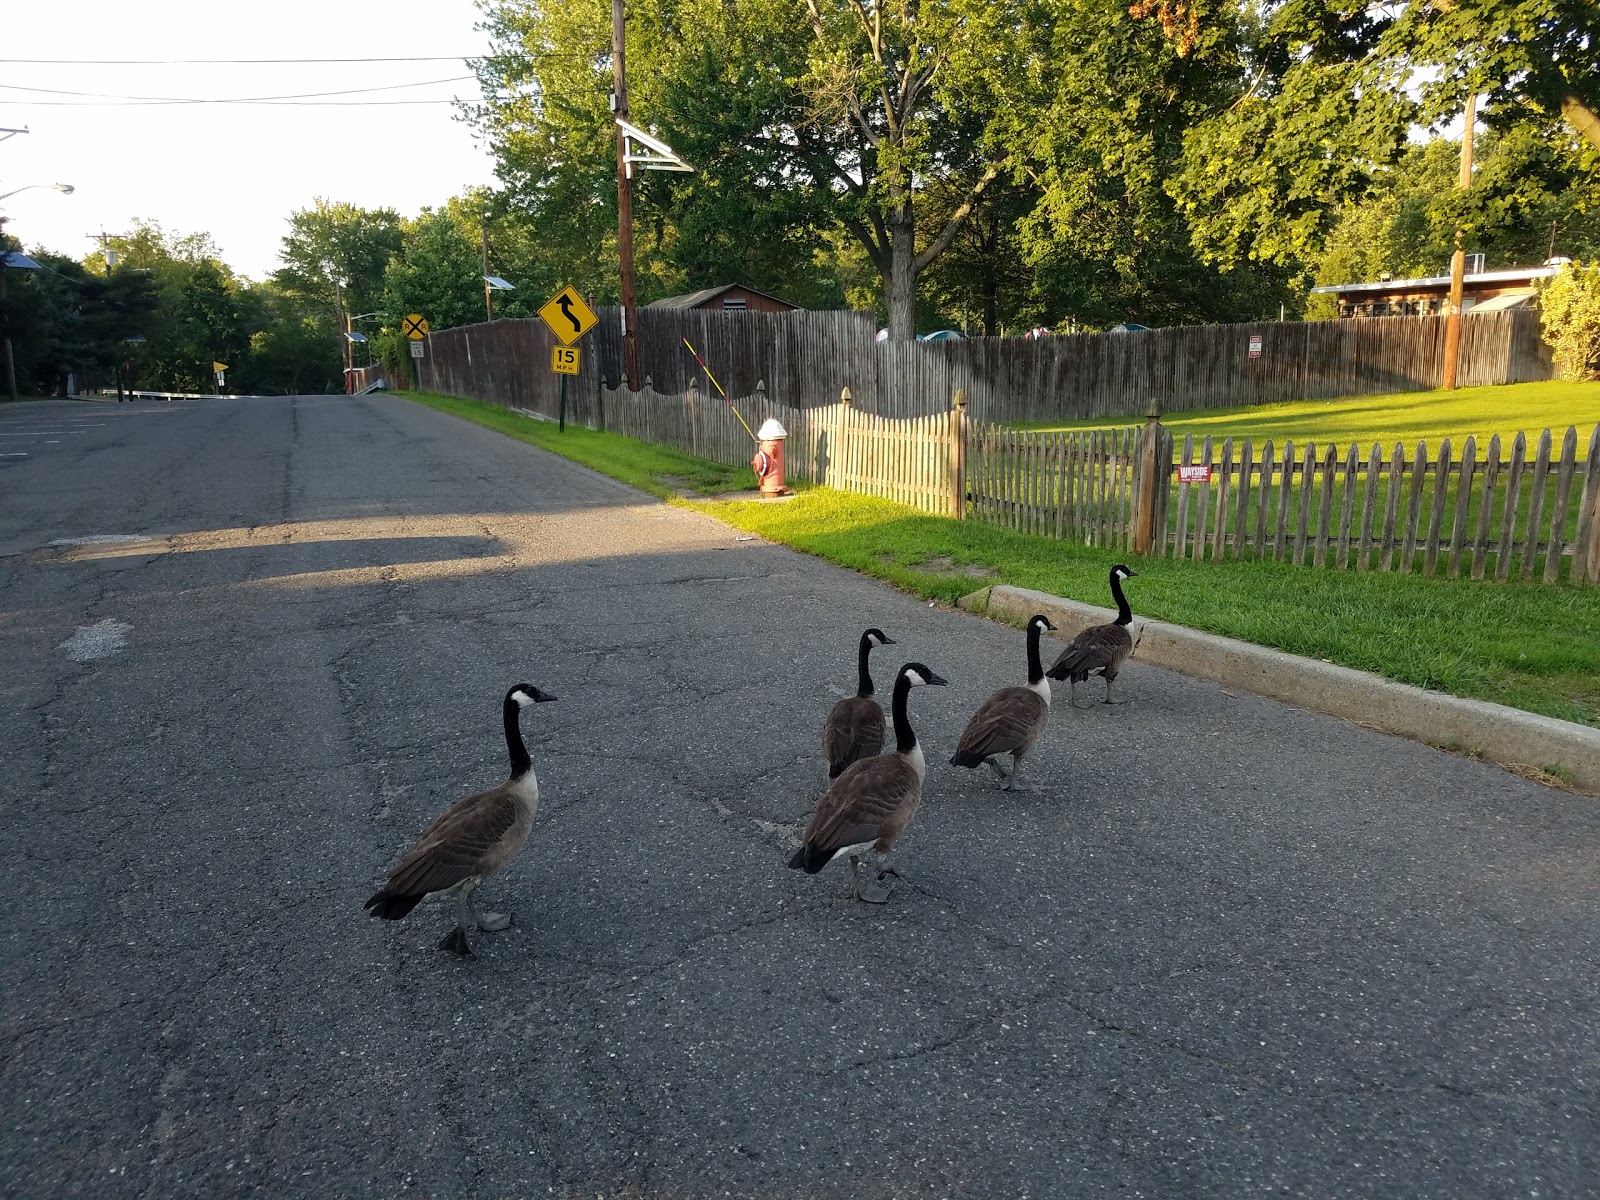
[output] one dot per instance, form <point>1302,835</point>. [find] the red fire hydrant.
<point>768,462</point>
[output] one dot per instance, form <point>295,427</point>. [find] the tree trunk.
<point>900,288</point>
<point>1582,118</point>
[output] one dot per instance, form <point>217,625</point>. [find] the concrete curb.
<point>1507,736</point>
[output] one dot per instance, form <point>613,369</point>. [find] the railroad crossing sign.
<point>568,316</point>
<point>414,326</point>
<point>564,360</point>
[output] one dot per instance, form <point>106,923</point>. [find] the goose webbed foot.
<point>868,892</point>
<point>1014,783</point>
<point>494,922</point>
<point>456,942</point>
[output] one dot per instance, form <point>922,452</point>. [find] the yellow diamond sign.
<point>568,316</point>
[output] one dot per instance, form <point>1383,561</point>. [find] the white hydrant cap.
<point>772,431</point>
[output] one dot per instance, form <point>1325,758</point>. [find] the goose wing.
<point>861,801</point>
<point>1006,720</point>
<point>853,731</point>
<point>453,848</point>
<point>1095,649</point>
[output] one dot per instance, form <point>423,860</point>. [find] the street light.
<point>66,189</point>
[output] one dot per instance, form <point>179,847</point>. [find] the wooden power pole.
<point>1458,261</point>
<point>488,288</point>
<point>619,105</point>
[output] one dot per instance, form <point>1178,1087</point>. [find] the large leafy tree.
<point>1327,93</point>
<point>800,115</point>
<point>336,254</point>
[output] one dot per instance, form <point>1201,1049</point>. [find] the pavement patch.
<point>99,640</point>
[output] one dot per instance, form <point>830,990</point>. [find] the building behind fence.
<point>805,359</point>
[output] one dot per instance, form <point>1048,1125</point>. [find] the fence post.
<point>1144,513</point>
<point>958,456</point>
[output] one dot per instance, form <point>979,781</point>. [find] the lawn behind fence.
<point>1404,416</point>
<point>1531,646</point>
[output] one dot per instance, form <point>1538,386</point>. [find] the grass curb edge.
<point>1525,743</point>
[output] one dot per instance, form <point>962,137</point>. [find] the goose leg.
<point>885,867</point>
<point>867,893</point>
<point>456,941</point>
<point>488,922</point>
<point>1072,698</point>
<point>1108,699</point>
<point>1016,775</point>
<point>998,770</point>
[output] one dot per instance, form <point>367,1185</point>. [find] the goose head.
<point>525,694</point>
<point>1121,572</point>
<point>877,637</point>
<point>1039,622</point>
<point>918,675</point>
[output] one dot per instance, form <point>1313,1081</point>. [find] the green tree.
<point>335,254</point>
<point>1570,308</point>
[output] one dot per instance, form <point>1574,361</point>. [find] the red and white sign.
<point>1199,474</point>
<point>1255,345</point>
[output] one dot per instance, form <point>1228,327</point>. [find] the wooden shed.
<point>730,297</point>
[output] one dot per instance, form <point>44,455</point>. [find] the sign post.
<point>219,369</point>
<point>569,318</point>
<point>415,327</point>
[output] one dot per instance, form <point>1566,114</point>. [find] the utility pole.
<point>110,256</point>
<point>1458,261</point>
<point>488,288</point>
<point>5,316</point>
<point>343,315</point>
<point>619,106</point>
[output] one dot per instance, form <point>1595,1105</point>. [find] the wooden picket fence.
<point>914,461</point>
<point>1521,515</point>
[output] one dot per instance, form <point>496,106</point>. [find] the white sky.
<point>234,171</point>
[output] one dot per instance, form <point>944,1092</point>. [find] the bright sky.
<point>234,171</point>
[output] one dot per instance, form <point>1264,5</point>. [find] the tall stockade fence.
<point>804,359</point>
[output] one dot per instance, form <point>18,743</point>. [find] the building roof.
<point>696,299</point>
<point>1507,275</point>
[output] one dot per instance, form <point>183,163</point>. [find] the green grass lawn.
<point>1405,416</point>
<point>1529,646</point>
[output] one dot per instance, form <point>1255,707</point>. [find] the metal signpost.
<point>569,319</point>
<point>415,327</point>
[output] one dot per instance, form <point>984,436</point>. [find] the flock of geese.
<point>871,800</point>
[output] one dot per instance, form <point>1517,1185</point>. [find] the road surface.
<point>1226,949</point>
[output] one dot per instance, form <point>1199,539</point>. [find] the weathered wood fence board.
<point>803,359</point>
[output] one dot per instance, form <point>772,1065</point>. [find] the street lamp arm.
<point>66,189</point>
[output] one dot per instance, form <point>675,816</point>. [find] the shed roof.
<point>696,299</point>
<point>1507,275</point>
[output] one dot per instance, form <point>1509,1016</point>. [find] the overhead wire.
<point>390,87</point>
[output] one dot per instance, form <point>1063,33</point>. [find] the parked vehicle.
<point>942,335</point>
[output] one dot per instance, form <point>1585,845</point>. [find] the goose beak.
<point>888,641</point>
<point>544,698</point>
<point>937,680</point>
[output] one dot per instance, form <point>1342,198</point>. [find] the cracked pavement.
<point>1226,948</point>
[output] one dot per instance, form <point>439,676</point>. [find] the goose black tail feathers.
<point>391,908</point>
<point>810,859</point>
<point>966,758</point>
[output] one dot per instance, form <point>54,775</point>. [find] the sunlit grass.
<point>1526,645</point>
<point>1404,416</point>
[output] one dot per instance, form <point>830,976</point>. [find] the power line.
<point>394,87</point>
<point>168,62</point>
<point>255,103</point>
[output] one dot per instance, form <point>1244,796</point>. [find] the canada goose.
<point>1100,648</point>
<point>471,840</point>
<point>1011,720</point>
<point>854,728</point>
<point>873,801</point>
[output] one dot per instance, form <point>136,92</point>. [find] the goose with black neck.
<point>872,801</point>
<point>1011,720</point>
<point>854,728</point>
<point>471,840</point>
<point>1100,649</point>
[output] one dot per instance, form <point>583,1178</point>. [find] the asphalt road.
<point>1227,948</point>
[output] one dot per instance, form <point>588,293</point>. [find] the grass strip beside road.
<point>1528,646</point>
